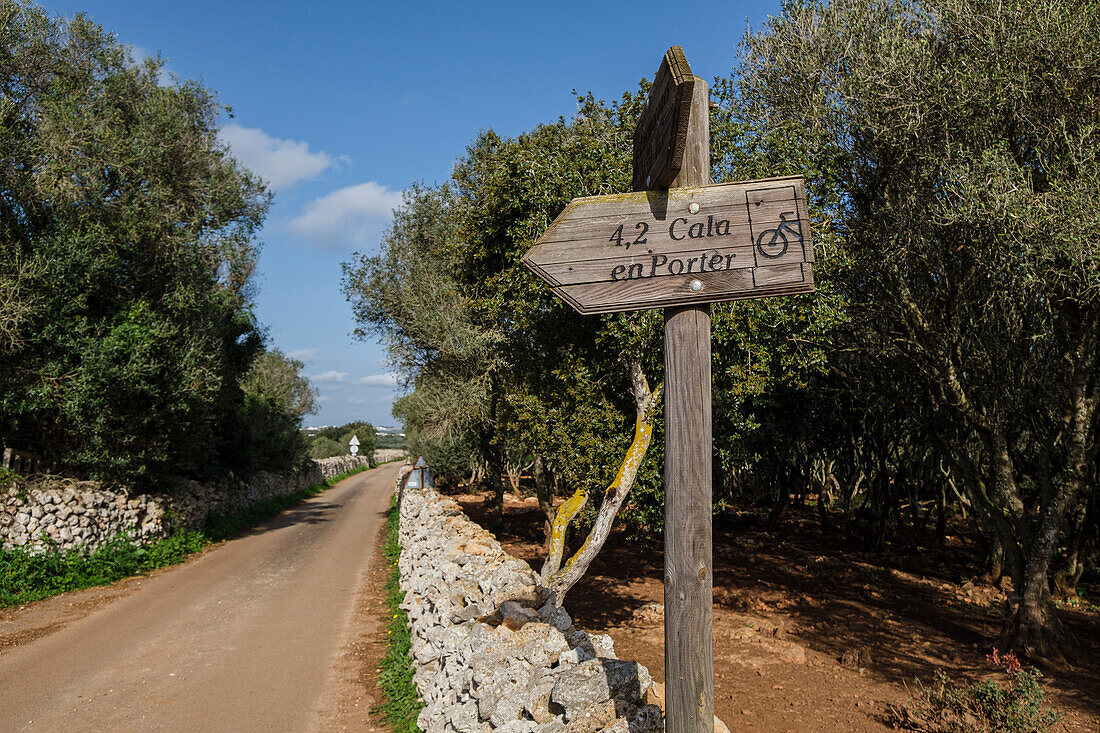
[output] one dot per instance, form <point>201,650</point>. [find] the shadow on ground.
<point>904,616</point>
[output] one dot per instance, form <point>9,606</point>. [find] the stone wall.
<point>384,455</point>
<point>490,653</point>
<point>65,513</point>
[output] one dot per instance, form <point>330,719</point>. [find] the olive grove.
<point>948,368</point>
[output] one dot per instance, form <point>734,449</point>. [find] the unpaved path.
<point>253,635</point>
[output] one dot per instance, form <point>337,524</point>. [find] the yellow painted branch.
<point>628,469</point>
<point>560,579</point>
<point>565,514</point>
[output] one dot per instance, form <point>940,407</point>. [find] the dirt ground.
<point>810,635</point>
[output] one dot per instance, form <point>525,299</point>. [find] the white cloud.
<point>354,215</point>
<point>329,377</point>
<point>277,161</point>
<point>389,379</point>
<point>306,355</point>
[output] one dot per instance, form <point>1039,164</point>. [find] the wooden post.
<point>750,239</point>
<point>689,644</point>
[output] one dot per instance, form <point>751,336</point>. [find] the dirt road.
<point>247,637</point>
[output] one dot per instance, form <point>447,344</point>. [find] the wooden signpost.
<point>662,130</point>
<point>682,246</point>
<point>679,243</point>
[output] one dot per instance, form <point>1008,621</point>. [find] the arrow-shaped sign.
<point>654,249</point>
<point>354,440</point>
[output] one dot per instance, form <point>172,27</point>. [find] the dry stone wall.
<point>64,513</point>
<point>491,654</point>
<point>384,455</point>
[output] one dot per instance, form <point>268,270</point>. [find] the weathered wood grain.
<point>662,130</point>
<point>579,234</point>
<point>739,198</point>
<point>632,243</point>
<point>592,298</point>
<point>643,266</point>
<point>689,652</point>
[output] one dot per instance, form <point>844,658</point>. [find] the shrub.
<point>986,707</point>
<point>322,447</point>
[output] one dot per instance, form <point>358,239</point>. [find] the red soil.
<point>810,635</point>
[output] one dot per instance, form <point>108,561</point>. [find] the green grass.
<point>25,577</point>
<point>400,701</point>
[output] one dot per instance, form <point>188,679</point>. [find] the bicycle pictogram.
<point>778,236</point>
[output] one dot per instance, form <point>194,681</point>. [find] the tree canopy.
<point>960,140</point>
<point>128,231</point>
<point>949,359</point>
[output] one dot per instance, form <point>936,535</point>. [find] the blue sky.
<point>341,105</point>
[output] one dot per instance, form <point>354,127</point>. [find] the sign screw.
<point>694,208</point>
<point>695,284</point>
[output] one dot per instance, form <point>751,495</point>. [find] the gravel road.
<point>246,637</point>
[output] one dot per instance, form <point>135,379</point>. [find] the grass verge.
<point>25,577</point>
<point>400,702</point>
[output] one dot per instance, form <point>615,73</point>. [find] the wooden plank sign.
<point>683,246</point>
<point>662,130</point>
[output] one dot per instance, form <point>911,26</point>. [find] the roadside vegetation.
<point>946,372</point>
<point>401,702</point>
<point>129,349</point>
<point>333,441</point>
<point>387,440</point>
<point>946,706</point>
<point>26,577</point>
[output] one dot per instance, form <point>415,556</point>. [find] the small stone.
<point>651,614</point>
<point>629,680</point>
<point>556,616</point>
<point>650,719</point>
<point>581,687</point>
<point>603,645</point>
<point>537,697</point>
<point>656,695</point>
<point>517,726</point>
<point>515,616</point>
<point>619,726</point>
<point>591,719</point>
<point>557,725</point>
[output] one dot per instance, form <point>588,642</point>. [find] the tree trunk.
<point>1066,578</point>
<point>941,517</point>
<point>496,480</point>
<point>544,491</point>
<point>827,496</point>
<point>994,563</point>
<point>1034,630</point>
<point>560,580</point>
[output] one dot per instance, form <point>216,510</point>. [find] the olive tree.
<point>127,250</point>
<point>963,139</point>
<point>276,398</point>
